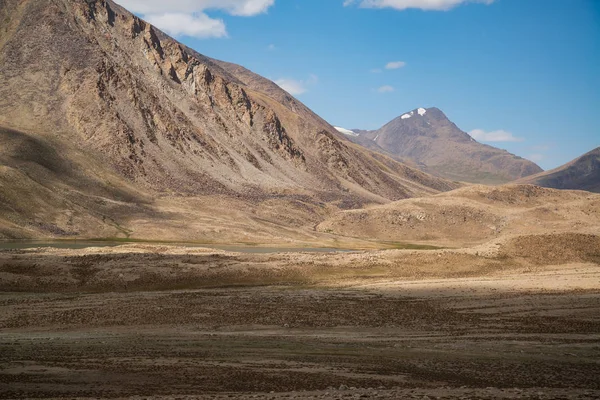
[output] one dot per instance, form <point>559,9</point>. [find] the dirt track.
<point>491,333</point>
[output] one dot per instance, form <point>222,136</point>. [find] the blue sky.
<point>523,75</point>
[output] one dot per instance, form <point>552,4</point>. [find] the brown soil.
<point>174,322</point>
<point>473,214</point>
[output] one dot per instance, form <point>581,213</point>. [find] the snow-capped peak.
<point>421,111</point>
<point>345,131</point>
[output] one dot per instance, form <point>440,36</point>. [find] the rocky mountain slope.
<point>105,118</point>
<point>583,173</point>
<point>438,146</point>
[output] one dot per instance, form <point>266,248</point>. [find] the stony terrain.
<point>431,289</point>
<point>429,139</point>
<point>471,215</point>
<point>583,173</point>
<point>105,122</point>
<point>148,321</point>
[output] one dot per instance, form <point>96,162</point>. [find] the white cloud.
<point>245,8</point>
<point>390,65</point>
<point>541,147</point>
<point>271,47</point>
<point>195,25</point>
<point>345,131</point>
<point>386,89</point>
<point>436,5</point>
<point>188,17</point>
<point>312,79</point>
<point>395,65</point>
<point>494,136</point>
<point>536,157</point>
<point>297,87</point>
<point>291,86</point>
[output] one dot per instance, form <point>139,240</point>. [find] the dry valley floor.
<point>141,321</point>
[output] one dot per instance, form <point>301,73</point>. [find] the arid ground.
<point>112,130</point>
<point>153,321</point>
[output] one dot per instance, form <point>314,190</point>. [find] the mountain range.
<point>110,127</point>
<point>429,140</point>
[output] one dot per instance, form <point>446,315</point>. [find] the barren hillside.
<point>428,138</point>
<point>116,106</point>
<point>471,215</point>
<point>583,173</point>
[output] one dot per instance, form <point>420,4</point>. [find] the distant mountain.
<point>438,146</point>
<point>108,126</point>
<point>583,173</point>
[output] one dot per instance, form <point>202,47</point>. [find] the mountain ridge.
<point>582,173</point>
<point>94,82</point>
<point>428,138</point>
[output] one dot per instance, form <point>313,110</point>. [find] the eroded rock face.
<point>167,117</point>
<point>279,141</point>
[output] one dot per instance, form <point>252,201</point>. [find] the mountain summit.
<point>122,115</point>
<point>427,137</point>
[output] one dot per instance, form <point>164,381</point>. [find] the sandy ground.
<point>500,329</point>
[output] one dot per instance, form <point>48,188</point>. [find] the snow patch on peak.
<point>421,111</point>
<point>345,131</point>
<point>406,116</point>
